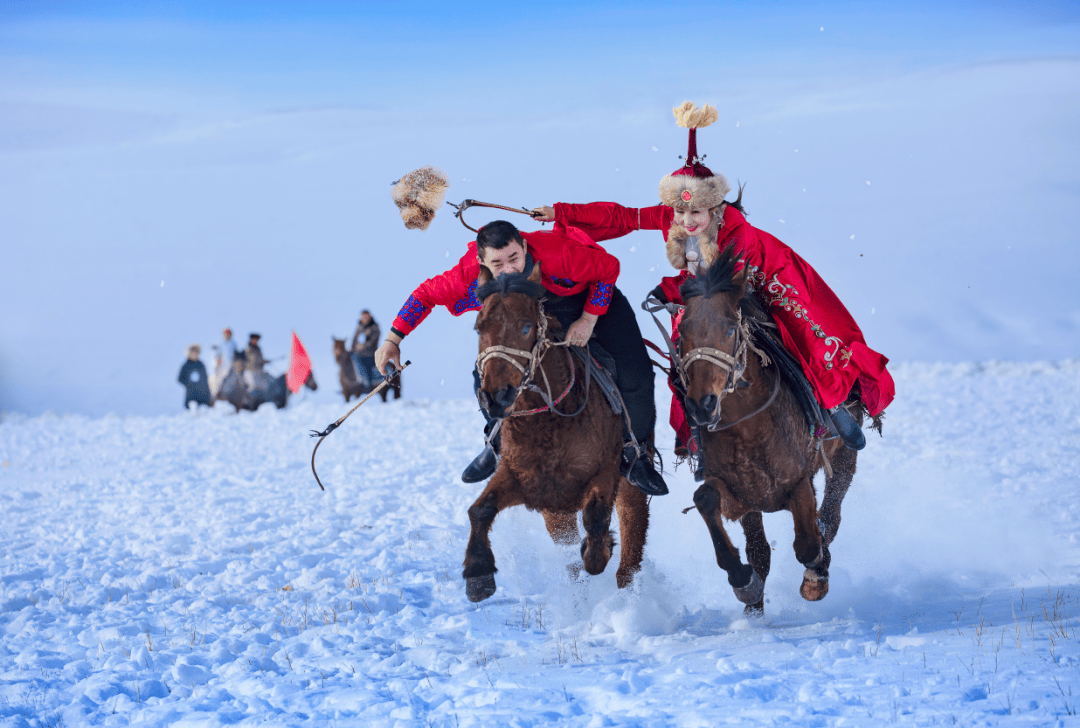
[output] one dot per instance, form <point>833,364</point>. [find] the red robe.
<point>816,327</point>
<point>569,261</point>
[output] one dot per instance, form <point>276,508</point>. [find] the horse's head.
<point>712,340</point>
<point>339,347</point>
<point>508,325</point>
<point>310,382</point>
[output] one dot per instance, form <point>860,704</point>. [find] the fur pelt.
<point>704,192</point>
<point>419,194</point>
<point>677,235</point>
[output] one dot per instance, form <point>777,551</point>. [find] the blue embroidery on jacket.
<point>413,311</point>
<point>564,282</point>
<point>472,303</point>
<point>601,297</point>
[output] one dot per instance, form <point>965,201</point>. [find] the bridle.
<point>528,371</point>
<point>734,365</point>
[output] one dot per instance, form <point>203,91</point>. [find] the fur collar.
<point>677,235</point>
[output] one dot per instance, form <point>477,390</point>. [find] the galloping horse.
<point>351,384</point>
<point>560,452</point>
<point>758,453</point>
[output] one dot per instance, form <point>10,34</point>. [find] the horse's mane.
<point>719,278</point>
<point>510,283</point>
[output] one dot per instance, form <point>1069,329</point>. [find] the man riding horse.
<point>697,223</point>
<point>579,276</point>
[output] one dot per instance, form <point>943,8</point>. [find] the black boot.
<point>483,465</point>
<point>640,472</point>
<point>847,428</point>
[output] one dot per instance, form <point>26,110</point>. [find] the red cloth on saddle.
<point>569,261</point>
<point>815,326</point>
<point>299,366</point>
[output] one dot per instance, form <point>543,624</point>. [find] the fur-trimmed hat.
<point>419,194</point>
<point>693,186</point>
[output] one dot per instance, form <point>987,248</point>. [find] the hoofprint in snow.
<point>187,570</point>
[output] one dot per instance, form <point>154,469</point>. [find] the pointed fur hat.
<point>419,194</point>
<point>693,186</point>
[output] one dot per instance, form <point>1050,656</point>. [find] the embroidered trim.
<point>413,311</point>
<point>782,296</point>
<point>601,296</point>
<point>564,282</point>
<point>470,302</point>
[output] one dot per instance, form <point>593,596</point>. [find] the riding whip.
<point>465,205</point>
<point>392,373</point>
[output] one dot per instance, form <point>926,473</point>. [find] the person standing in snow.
<point>364,343</point>
<point>697,223</point>
<point>193,377</point>
<point>580,278</point>
<point>224,353</point>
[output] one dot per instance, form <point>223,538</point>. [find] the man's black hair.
<point>496,236</point>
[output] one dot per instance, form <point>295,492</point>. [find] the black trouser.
<point>617,331</point>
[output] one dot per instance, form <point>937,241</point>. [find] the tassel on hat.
<point>419,194</point>
<point>693,186</point>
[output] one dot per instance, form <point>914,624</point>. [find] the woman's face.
<point>693,220</point>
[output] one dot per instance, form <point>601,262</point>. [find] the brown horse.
<point>351,383</point>
<point>561,445</point>
<point>758,452</point>
<point>235,391</point>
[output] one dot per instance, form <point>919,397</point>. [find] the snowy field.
<point>186,570</point>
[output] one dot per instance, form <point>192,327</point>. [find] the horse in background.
<point>235,391</point>
<point>758,452</point>
<point>352,385</point>
<point>560,453</point>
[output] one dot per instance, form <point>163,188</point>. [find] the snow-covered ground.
<point>186,570</point>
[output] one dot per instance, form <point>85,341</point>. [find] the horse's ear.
<point>535,275</point>
<point>483,276</point>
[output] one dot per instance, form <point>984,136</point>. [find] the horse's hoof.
<point>479,588</point>
<point>753,592</point>
<point>815,584</point>
<point>754,611</point>
<point>595,557</point>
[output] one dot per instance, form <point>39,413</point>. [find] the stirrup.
<point>640,472</point>
<point>847,428</point>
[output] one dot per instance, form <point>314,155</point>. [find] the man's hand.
<point>389,351</point>
<point>544,213</point>
<point>581,330</point>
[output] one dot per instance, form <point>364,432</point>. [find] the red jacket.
<point>569,261</point>
<point>816,327</point>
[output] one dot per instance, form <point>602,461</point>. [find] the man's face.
<point>510,259</point>
<point>254,340</point>
<point>365,318</point>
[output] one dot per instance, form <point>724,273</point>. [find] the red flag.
<point>299,366</point>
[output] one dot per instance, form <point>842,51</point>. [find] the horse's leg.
<point>836,487</point>
<point>809,545</point>
<point>596,518</point>
<point>562,527</point>
<point>744,581</point>
<point>758,553</point>
<point>502,491</point>
<point>633,508</point>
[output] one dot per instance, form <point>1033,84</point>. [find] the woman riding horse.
<point>697,223</point>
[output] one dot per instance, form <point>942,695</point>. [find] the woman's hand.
<point>581,330</point>
<point>544,213</point>
<point>389,351</point>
